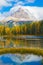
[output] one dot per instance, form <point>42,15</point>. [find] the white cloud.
<point>16,0</point>
<point>4,3</point>
<point>19,3</point>
<point>1,16</point>
<point>30,1</point>
<point>10,0</point>
<point>13,0</point>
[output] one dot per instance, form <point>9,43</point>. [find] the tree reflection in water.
<point>21,43</point>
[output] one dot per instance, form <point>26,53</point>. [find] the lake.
<point>23,41</point>
<point>21,59</point>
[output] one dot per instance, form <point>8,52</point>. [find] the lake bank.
<point>36,51</point>
<point>22,37</point>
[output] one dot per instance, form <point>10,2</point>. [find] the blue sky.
<point>6,5</point>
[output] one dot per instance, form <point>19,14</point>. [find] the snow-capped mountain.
<point>27,12</point>
<point>23,13</point>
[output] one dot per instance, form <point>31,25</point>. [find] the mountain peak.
<point>22,13</point>
<point>26,13</point>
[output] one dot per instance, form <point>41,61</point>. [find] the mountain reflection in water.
<point>11,42</point>
<point>19,59</point>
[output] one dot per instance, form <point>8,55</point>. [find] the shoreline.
<point>36,51</point>
<point>22,37</point>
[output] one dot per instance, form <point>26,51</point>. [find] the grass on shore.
<point>18,35</point>
<point>36,51</point>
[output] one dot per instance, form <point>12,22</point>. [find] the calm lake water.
<point>26,41</point>
<point>18,59</point>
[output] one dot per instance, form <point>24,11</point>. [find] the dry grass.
<point>36,51</point>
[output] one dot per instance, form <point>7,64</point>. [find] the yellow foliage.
<point>17,29</point>
<point>7,29</point>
